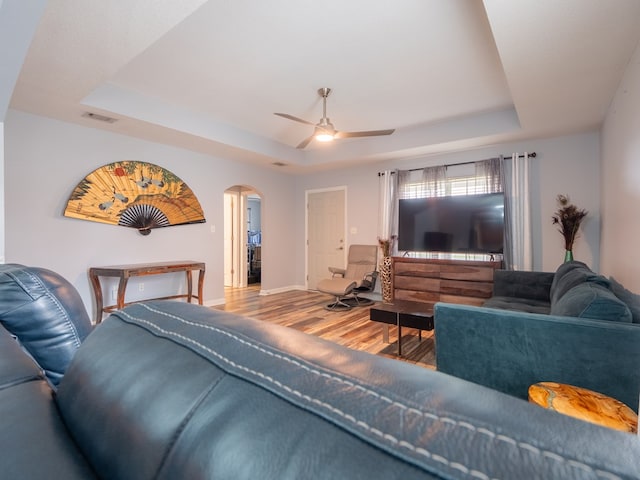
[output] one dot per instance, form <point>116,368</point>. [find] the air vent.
<point>100,118</point>
<point>279,164</point>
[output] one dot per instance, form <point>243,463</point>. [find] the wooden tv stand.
<point>452,278</point>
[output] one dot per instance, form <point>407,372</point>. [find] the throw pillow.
<point>571,274</point>
<point>592,300</point>
<point>629,298</point>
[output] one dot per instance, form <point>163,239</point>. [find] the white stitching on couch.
<point>47,293</point>
<point>400,443</point>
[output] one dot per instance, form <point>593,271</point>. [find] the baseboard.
<point>282,289</point>
<point>214,302</point>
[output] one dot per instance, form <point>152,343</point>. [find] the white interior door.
<point>325,233</point>
<point>242,259</point>
<point>236,225</point>
<point>235,240</point>
<point>229,208</point>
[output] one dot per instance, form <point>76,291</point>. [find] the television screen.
<point>458,224</point>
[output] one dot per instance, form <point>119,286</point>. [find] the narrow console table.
<point>124,272</point>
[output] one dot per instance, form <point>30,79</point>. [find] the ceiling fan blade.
<point>369,133</point>
<point>305,142</point>
<point>295,119</point>
<point>324,128</point>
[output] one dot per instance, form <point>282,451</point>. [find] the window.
<point>468,179</point>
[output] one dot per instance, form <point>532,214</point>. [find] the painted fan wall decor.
<point>134,194</point>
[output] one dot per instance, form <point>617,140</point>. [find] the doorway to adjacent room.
<point>242,236</point>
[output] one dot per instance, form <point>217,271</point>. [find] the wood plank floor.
<point>303,310</point>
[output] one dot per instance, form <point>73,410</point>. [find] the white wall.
<point>567,165</point>
<point>620,254</point>
<point>45,159</point>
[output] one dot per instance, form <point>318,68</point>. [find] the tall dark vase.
<point>568,256</point>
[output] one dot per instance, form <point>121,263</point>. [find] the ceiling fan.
<point>324,131</point>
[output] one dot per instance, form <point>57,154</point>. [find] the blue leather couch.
<point>570,326</point>
<point>170,390</point>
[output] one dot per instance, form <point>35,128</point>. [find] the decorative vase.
<point>568,256</point>
<point>385,279</point>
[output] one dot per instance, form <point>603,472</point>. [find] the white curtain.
<point>434,180</point>
<point>423,183</point>
<point>490,173</point>
<point>518,252</point>
<point>388,201</point>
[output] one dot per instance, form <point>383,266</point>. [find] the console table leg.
<point>122,288</point>
<point>200,286</point>
<point>189,286</point>
<point>97,291</point>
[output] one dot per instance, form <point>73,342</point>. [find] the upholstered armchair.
<point>358,277</point>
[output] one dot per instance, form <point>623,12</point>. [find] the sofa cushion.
<point>518,304</point>
<point>35,443</point>
<point>629,298</point>
<point>521,284</point>
<point>592,300</point>
<point>571,274</point>
<point>15,365</point>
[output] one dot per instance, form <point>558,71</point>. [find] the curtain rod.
<point>532,155</point>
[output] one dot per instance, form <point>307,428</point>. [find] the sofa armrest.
<point>508,351</point>
<point>522,284</point>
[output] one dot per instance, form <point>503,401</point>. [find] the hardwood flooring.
<point>303,310</point>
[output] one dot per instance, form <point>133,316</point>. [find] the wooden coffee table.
<point>402,313</point>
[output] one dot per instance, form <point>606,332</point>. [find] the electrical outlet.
<point>141,287</point>
<point>114,293</point>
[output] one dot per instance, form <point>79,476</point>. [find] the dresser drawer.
<point>417,283</point>
<point>466,289</point>
<point>467,272</point>
<point>415,269</point>
<point>416,296</point>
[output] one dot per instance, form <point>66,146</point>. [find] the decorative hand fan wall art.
<point>134,194</point>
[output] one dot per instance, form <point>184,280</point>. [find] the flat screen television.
<point>457,224</point>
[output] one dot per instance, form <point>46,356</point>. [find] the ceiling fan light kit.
<point>324,131</point>
<point>323,135</point>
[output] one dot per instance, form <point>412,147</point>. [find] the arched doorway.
<point>242,236</point>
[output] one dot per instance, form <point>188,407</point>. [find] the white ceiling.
<point>446,74</point>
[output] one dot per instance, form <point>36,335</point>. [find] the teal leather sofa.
<point>167,390</point>
<point>570,326</point>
